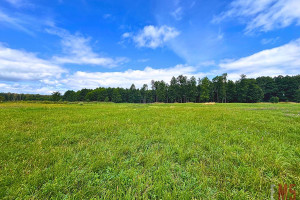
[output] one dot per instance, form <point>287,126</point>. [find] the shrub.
<point>274,100</point>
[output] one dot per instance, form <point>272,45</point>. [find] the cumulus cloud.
<point>82,79</point>
<point>17,65</point>
<point>263,15</point>
<point>276,61</point>
<point>20,65</point>
<point>152,36</point>
<point>77,50</point>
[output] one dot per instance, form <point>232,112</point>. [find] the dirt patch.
<point>210,103</point>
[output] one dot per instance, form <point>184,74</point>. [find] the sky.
<point>60,45</point>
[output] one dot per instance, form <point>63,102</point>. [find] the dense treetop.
<point>183,89</point>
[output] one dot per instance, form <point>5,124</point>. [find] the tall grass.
<point>147,151</point>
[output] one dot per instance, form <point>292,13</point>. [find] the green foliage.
<point>204,89</point>
<point>69,95</point>
<point>106,99</point>
<point>56,96</point>
<point>287,87</point>
<point>160,91</point>
<point>173,90</point>
<point>219,88</point>
<point>242,89</point>
<point>268,86</point>
<point>147,151</point>
<point>116,97</point>
<point>231,92</point>
<point>254,92</point>
<point>298,96</point>
<point>134,95</point>
<point>192,91</point>
<point>81,94</point>
<point>274,99</point>
<point>144,93</point>
<point>2,98</point>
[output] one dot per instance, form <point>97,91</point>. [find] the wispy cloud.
<point>25,23</point>
<point>263,15</point>
<point>177,13</point>
<point>77,50</point>
<point>143,60</point>
<point>107,16</point>
<point>269,40</point>
<point>18,65</point>
<point>152,36</point>
<point>280,60</point>
<point>19,3</point>
<point>208,63</point>
<point>15,22</point>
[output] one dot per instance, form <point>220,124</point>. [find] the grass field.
<point>140,151</point>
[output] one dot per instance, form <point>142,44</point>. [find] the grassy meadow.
<point>148,151</point>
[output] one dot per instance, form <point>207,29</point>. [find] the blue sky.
<point>57,45</point>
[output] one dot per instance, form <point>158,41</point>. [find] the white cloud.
<point>82,79</point>
<point>208,63</point>
<point>28,88</point>
<point>263,15</point>
<point>24,22</point>
<point>106,16</point>
<point>276,61</point>
<point>77,50</point>
<point>15,22</point>
<point>152,36</point>
<point>19,3</point>
<point>269,40</point>
<point>220,35</point>
<point>127,35</point>
<point>45,77</point>
<point>177,13</point>
<point>17,65</point>
<point>143,60</point>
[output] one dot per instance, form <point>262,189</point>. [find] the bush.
<point>2,98</point>
<point>274,100</point>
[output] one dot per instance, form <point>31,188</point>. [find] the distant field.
<point>140,151</point>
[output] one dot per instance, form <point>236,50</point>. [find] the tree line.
<point>182,89</point>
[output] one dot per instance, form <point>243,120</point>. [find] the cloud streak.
<point>263,15</point>
<point>19,3</point>
<point>15,22</point>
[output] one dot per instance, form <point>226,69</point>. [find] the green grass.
<point>148,151</point>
